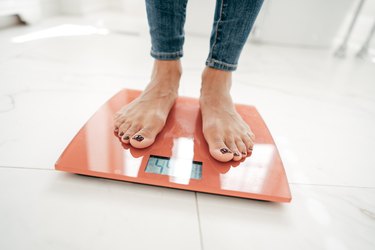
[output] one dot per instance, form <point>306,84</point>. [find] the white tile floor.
<point>320,110</point>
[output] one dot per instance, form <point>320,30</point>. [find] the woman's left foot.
<point>227,134</point>
<point>139,122</point>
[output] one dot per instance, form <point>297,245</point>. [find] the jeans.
<point>232,24</point>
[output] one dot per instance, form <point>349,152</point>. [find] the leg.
<point>139,122</point>
<point>228,136</point>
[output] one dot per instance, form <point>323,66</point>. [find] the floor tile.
<point>40,123</point>
<point>317,218</point>
<point>44,209</point>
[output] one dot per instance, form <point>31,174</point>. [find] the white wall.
<point>319,23</point>
<point>313,23</point>
<point>29,10</point>
<point>79,7</point>
<point>363,25</point>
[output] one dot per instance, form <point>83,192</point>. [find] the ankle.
<point>215,82</point>
<point>165,77</point>
<point>167,69</point>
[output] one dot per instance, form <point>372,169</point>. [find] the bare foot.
<point>139,122</point>
<point>228,136</point>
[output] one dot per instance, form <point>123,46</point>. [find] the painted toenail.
<point>236,154</point>
<point>250,151</point>
<point>138,138</point>
<point>225,151</point>
<point>122,133</point>
<point>244,153</point>
<point>126,137</point>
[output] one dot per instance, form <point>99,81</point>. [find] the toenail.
<point>122,133</point>
<point>225,151</point>
<point>250,151</point>
<point>236,154</point>
<point>138,138</point>
<point>244,153</point>
<point>126,137</point>
<point>116,129</point>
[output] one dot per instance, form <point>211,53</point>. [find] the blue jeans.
<point>232,24</point>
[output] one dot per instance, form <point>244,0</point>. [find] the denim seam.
<point>216,30</point>
<point>222,63</point>
<point>167,53</point>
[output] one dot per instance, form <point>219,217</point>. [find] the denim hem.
<point>167,55</point>
<point>220,65</point>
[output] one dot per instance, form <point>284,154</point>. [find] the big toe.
<point>219,150</point>
<point>222,154</point>
<point>143,138</point>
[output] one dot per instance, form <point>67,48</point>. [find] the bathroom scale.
<point>179,157</point>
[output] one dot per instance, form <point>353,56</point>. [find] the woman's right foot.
<point>139,122</point>
<point>227,134</point>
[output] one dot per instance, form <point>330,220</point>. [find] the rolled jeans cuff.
<point>220,65</point>
<point>167,55</point>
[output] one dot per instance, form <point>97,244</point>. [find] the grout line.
<point>29,168</point>
<point>199,221</point>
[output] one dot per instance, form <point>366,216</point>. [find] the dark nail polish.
<point>138,138</point>
<point>225,151</point>
<point>251,149</point>
<point>122,133</point>
<point>126,137</point>
<point>244,153</point>
<point>236,154</point>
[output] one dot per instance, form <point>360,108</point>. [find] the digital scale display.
<point>162,165</point>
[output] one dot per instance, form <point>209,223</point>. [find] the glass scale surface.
<point>179,157</point>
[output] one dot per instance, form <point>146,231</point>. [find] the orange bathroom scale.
<point>179,157</point>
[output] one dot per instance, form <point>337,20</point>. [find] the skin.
<point>228,136</point>
<point>223,128</point>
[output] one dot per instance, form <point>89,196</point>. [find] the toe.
<point>143,138</point>
<point>241,147</point>
<point>251,135</point>
<point>249,143</point>
<point>219,150</point>
<point>122,129</point>
<point>117,124</point>
<point>128,134</point>
<point>116,115</point>
<point>233,147</point>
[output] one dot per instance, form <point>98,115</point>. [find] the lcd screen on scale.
<point>166,166</point>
